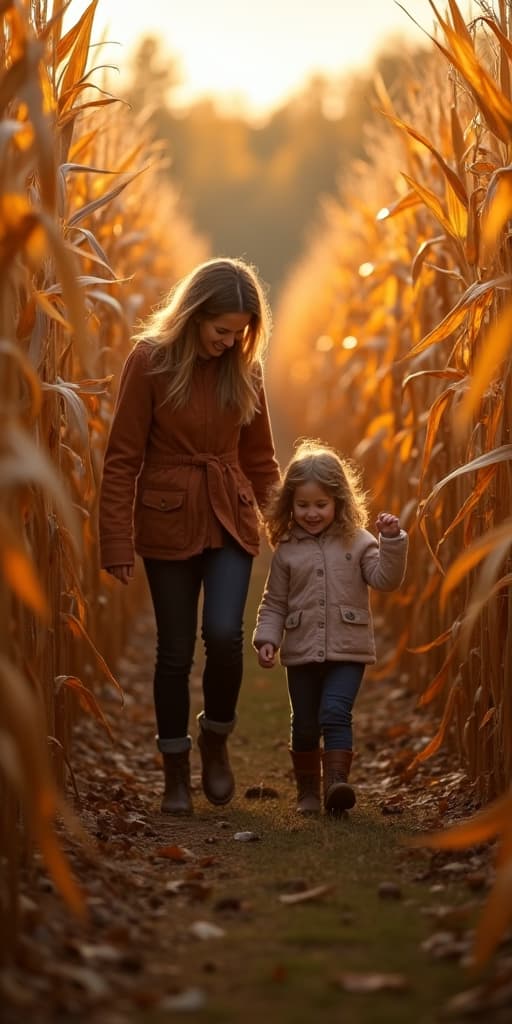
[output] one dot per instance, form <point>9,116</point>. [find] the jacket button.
<point>348,556</point>
<point>321,602</point>
<point>163,503</point>
<point>349,615</point>
<point>319,572</point>
<point>321,654</point>
<point>321,624</point>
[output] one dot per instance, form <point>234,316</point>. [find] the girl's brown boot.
<point>338,795</point>
<point>307,768</point>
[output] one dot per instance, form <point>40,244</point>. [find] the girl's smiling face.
<point>313,508</point>
<point>221,333</point>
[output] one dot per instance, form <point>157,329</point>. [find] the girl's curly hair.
<point>337,476</point>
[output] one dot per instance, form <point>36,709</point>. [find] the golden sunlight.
<point>256,60</point>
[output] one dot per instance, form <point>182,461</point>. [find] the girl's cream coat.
<point>315,606</point>
<point>173,479</point>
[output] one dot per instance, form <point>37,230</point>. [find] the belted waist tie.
<point>222,478</point>
<point>194,459</point>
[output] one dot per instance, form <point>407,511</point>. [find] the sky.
<point>255,55</point>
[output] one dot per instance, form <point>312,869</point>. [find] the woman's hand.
<point>387,524</point>
<point>123,573</point>
<point>267,656</point>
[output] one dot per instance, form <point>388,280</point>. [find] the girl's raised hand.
<point>387,524</point>
<point>267,656</point>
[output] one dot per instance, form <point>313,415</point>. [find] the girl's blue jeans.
<point>175,586</point>
<point>322,696</point>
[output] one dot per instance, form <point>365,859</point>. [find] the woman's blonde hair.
<point>218,286</point>
<point>317,462</point>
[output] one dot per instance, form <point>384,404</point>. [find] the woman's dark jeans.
<point>322,695</point>
<point>175,587</point>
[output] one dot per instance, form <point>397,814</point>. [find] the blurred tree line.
<point>256,189</point>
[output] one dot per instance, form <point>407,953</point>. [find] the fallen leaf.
<point>372,982</point>
<point>228,903</point>
<point>246,837</point>
<point>188,887</point>
<point>206,930</point>
<point>445,946</point>
<point>177,853</point>
<point>279,973</point>
<point>190,999</point>
<point>306,895</point>
<point>389,891</point>
<point>91,981</point>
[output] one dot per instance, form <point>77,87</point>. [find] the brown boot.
<point>338,795</point>
<point>176,799</point>
<point>306,765</point>
<point>217,777</point>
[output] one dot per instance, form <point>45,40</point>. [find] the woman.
<point>189,461</point>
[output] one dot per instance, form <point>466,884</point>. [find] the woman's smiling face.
<point>221,333</point>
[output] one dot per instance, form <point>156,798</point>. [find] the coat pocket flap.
<point>246,496</point>
<point>356,616</point>
<point>164,501</point>
<point>292,620</point>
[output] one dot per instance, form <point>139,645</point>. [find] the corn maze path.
<point>186,922</point>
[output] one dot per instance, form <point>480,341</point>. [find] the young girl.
<point>189,458</point>
<point>315,610</point>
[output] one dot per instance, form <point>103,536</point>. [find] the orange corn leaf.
<point>86,698</point>
<point>22,578</point>
<point>497,206</point>
<point>450,175</point>
<point>78,630</point>
<point>50,310</point>
<point>436,685</point>
<point>437,642</point>
<point>496,916</point>
<point>77,41</point>
<point>497,539</point>
<point>95,204</point>
<point>72,293</point>
<point>505,43</point>
<point>60,870</point>
<point>436,742</point>
<point>494,105</point>
<point>480,292</point>
<point>483,481</point>
<point>491,713</point>
<point>7,348</point>
<point>479,598</point>
<point>432,202</point>
<point>435,415</point>
<point>422,254</point>
<point>491,458</point>
<point>406,202</point>
<point>494,349</point>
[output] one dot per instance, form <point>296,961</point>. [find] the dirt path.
<point>187,921</point>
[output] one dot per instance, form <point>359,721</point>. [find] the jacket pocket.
<point>355,634</point>
<point>354,616</point>
<point>293,619</point>
<point>163,519</point>
<point>247,518</point>
<point>164,501</point>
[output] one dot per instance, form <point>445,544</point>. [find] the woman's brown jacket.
<point>173,478</point>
